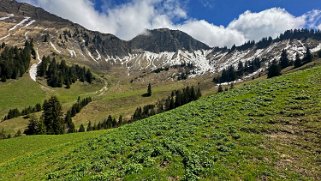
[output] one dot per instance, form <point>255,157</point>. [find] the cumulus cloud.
<point>312,18</point>
<point>266,23</point>
<point>211,34</point>
<point>135,16</point>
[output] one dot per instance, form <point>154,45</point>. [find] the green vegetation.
<point>264,130</point>
<point>230,74</point>
<point>59,74</point>
<point>14,61</point>
<point>20,94</point>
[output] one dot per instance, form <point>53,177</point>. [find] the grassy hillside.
<point>265,130</point>
<point>19,94</point>
<point>110,98</point>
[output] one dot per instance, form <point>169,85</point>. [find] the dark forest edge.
<point>59,74</point>
<point>231,74</point>
<point>14,61</point>
<point>176,99</point>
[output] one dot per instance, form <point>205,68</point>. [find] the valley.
<point>78,104</point>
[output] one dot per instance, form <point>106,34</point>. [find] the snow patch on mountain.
<point>30,23</point>
<point>2,38</point>
<point>316,49</point>
<point>91,56</point>
<point>19,24</point>
<point>6,17</point>
<point>72,52</point>
<point>98,55</point>
<point>54,47</point>
<point>33,68</point>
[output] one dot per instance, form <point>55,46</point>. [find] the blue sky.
<point>214,22</point>
<point>221,12</point>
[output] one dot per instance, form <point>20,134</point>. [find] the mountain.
<point>24,9</point>
<point>166,40</point>
<point>152,51</point>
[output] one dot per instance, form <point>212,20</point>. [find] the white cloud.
<point>134,17</point>
<point>319,27</point>
<point>312,18</point>
<point>211,34</point>
<point>270,22</point>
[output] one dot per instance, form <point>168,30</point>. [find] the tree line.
<point>75,108</point>
<point>299,34</point>
<point>13,113</point>
<point>3,134</point>
<point>275,67</point>
<point>176,99</point>
<point>52,120</point>
<point>231,74</point>
<point>59,74</point>
<point>14,61</point>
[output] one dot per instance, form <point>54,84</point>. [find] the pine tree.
<point>308,56</point>
<point>52,116</point>
<point>89,127</point>
<point>284,61</point>
<point>35,127</point>
<point>220,88</point>
<point>81,128</point>
<point>149,90</point>
<point>109,122</point>
<point>298,61</point>
<point>240,69</point>
<point>274,69</point>
<point>120,120</point>
<point>71,128</point>
<point>198,93</point>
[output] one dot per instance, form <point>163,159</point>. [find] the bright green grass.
<point>267,130</point>
<point>19,94</point>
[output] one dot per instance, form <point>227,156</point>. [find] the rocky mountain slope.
<point>153,50</point>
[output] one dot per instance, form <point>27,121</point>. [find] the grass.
<point>265,130</point>
<point>118,99</point>
<point>20,94</point>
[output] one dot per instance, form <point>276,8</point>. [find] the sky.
<point>214,22</point>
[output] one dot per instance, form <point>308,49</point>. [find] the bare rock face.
<point>156,50</point>
<point>166,40</point>
<point>23,9</point>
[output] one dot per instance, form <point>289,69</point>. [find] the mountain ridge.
<point>147,52</point>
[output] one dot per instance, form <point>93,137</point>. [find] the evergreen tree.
<point>198,93</point>
<point>35,127</point>
<point>52,116</point>
<point>308,56</point>
<point>240,69</point>
<point>89,127</point>
<point>81,128</point>
<point>298,61</point>
<point>284,61</point>
<point>149,90</point>
<point>109,122</point>
<point>70,125</point>
<point>274,69</point>
<point>71,128</point>
<point>120,120</point>
<point>220,88</point>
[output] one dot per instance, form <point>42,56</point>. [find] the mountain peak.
<point>24,9</point>
<point>166,40</point>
